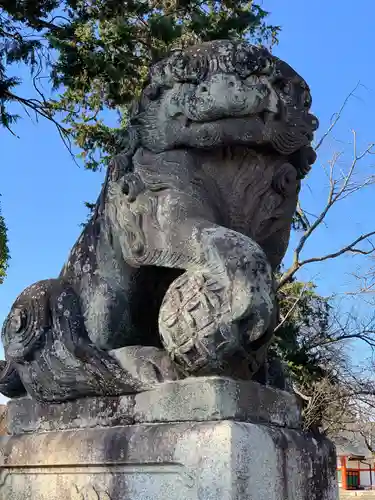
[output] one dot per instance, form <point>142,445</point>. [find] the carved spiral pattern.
<point>26,325</point>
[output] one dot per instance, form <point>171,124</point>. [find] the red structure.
<point>355,472</point>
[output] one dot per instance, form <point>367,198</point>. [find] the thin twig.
<point>336,117</point>
<point>290,312</point>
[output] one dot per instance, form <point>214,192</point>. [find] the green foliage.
<point>4,251</point>
<point>21,41</point>
<point>303,337</point>
<point>91,208</point>
<point>97,55</point>
<point>105,52</point>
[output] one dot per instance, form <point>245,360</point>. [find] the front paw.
<point>202,326</point>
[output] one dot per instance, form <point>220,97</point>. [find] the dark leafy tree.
<point>96,54</point>
<point>4,251</point>
<point>302,333</point>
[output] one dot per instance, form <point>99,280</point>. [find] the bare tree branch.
<point>43,109</point>
<point>336,117</point>
<point>339,188</point>
<point>290,312</point>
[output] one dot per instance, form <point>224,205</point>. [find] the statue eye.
<point>241,58</point>
<point>244,64</point>
<point>152,92</point>
<point>283,86</point>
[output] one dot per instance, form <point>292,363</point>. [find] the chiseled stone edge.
<point>26,415</point>
<point>217,398</point>
<point>189,400</point>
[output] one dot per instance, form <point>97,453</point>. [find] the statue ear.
<point>285,180</point>
<point>120,165</point>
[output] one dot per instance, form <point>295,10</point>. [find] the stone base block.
<point>200,439</point>
<point>181,461</point>
<point>189,400</point>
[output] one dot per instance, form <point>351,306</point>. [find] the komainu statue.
<point>173,275</point>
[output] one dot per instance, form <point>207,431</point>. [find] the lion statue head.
<point>225,93</point>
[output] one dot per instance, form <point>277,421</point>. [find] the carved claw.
<point>147,363</point>
<point>211,316</point>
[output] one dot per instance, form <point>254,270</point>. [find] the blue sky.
<point>330,43</point>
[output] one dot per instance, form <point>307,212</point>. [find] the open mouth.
<point>265,116</point>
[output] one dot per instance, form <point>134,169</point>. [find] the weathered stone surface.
<point>181,461</point>
<point>10,383</point>
<point>27,415</point>
<point>214,398</point>
<point>3,420</point>
<point>193,399</point>
<point>172,277</point>
<point>192,220</point>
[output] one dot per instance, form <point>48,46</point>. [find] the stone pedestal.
<point>206,439</point>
